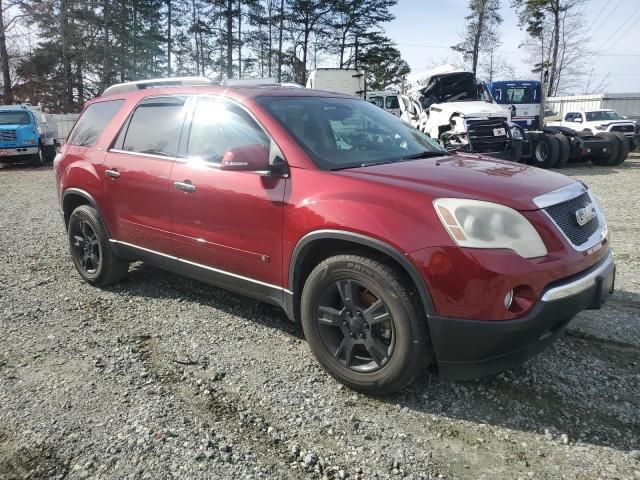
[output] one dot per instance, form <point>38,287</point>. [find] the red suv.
<point>393,253</point>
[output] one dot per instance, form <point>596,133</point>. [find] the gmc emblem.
<point>585,214</point>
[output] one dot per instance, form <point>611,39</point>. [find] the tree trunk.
<point>553,60</point>
<point>270,51</point>
<point>229,38</point>
<point>169,21</point>
<point>6,72</point>
<point>343,42</point>
<point>281,28</point>
<point>106,61</point>
<point>134,34</point>
<point>123,31</point>
<point>239,38</point>
<point>478,35</point>
<point>66,62</point>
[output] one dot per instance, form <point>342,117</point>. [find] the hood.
<point>471,109</point>
<point>467,176</point>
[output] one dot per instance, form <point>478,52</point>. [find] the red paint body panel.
<point>233,221</point>
<point>250,225</point>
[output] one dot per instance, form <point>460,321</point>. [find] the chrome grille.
<point>7,135</point>
<point>564,214</point>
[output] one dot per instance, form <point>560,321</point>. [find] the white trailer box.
<point>338,80</point>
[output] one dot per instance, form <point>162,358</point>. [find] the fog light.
<point>508,299</point>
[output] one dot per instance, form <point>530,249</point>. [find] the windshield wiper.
<point>425,154</point>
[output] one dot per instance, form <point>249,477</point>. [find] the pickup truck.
<point>597,121</point>
<point>27,133</point>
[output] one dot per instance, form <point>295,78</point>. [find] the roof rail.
<point>154,83</point>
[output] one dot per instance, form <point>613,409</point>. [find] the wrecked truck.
<point>451,105</point>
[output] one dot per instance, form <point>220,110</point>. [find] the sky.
<point>425,29</point>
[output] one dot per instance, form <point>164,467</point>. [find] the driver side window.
<point>219,126</point>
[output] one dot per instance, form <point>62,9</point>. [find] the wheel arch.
<point>72,198</point>
<point>320,244</point>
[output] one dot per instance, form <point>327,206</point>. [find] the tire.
<point>90,249</point>
<point>565,150</point>
<point>546,151</point>
<point>624,149</point>
<point>39,159</point>
<point>332,322</point>
<point>50,152</point>
<point>615,150</point>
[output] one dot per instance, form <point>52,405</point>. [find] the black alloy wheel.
<point>356,326</point>
<point>86,247</point>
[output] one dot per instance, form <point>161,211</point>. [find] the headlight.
<point>516,133</point>
<point>478,224</point>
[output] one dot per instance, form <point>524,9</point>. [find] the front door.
<point>227,225</point>
<point>138,168</point>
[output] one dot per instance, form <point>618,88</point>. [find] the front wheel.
<point>39,159</point>
<point>363,324</point>
<point>90,250</point>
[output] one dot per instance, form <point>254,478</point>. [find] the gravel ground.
<point>161,377</point>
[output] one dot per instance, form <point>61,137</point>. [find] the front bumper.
<point>467,349</point>
<point>17,151</point>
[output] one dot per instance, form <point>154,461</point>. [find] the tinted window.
<point>377,101</point>
<point>14,118</point>
<point>155,127</point>
<point>392,102</point>
<point>570,117</point>
<point>345,133</point>
<point>218,126</point>
<point>92,122</point>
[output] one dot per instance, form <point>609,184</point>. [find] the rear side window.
<point>154,127</point>
<point>377,101</point>
<point>92,122</point>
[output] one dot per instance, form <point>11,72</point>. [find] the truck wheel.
<point>546,151</point>
<point>565,150</point>
<point>38,159</point>
<point>363,324</point>
<point>624,148</point>
<point>615,150</point>
<point>90,250</point>
<point>50,152</point>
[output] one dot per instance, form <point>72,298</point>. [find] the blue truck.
<point>521,98</point>
<point>27,134</point>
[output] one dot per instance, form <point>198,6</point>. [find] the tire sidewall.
<point>553,147</point>
<point>615,149</point>
<point>78,215</point>
<point>407,339</point>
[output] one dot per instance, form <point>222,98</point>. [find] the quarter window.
<point>219,126</point>
<point>93,122</point>
<point>154,127</point>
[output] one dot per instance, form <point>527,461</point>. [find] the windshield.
<point>346,133</point>
<point>518,95</point>
<point>598,116</point>
<point>455,87</point>
<point>14,118</point>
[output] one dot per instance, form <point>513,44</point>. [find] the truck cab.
<point>521,98</point>
<point>27,134</point>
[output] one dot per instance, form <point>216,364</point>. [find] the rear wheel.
<point>624,149</point>
<point>363,324</point>
<point>565,150</point>
<point>615,150</point>
<point>546,151</point>
<point>90,249</point>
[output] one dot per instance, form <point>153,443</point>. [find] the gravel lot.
<point>161,377</point>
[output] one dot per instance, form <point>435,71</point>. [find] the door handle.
<point>112,173</point>
<point>185,186</point>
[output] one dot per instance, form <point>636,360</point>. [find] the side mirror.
<point>248,158</point>
<point>577,120</point>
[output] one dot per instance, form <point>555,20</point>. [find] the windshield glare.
<point>345,133</point>
<point>597,116</point>
<point>14,118</point>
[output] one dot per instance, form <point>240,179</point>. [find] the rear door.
<point>227,224</point>
<point>138,167</point>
